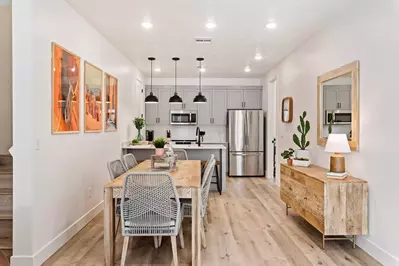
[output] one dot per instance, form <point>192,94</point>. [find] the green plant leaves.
<point>307,127</point>
<point>303,128</point>
<point>296,140</point>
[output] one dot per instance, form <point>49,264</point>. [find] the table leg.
<point>196,227</point>
<point>109,230</point>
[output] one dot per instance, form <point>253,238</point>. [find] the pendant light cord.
<point>200,78</point>
<point>175,76</point>
<point>151,75</point>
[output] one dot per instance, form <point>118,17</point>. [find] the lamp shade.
<point>337,143</point>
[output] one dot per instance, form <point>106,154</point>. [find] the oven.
<point>183,117</point>
<point>338,117</point>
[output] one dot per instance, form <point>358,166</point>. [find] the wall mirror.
<point>337,104</point>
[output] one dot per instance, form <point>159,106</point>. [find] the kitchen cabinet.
<point>188,99</point>
<point>158,113</point>
<point>214,111</point>
<point>235,99</point>
<point>337,97</point>
<point>252,98</point>
<point>244,98</point>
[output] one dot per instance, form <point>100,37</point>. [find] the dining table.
<point>187,179</point>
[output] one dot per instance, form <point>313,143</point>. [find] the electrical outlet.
<point>89,192</point>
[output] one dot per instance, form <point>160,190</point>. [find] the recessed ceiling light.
<point>210,24</point>
<point>247,69</point>
<point>271,25</point>
<point>147,24</point>
<point>157,69</point>
<point>258,57</point>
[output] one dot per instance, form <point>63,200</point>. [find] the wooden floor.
<point>247,226</point>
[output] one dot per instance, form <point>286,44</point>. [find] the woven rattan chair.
<point>181,154</point>
<point>211,157</point>
<point>150,207</point>
<point>129,161</point>
<point>115,169</point>
<point>205,186</point>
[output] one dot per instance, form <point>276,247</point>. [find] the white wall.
<point>369,34</point>
<point>54,172</point>
<point>5,77</point>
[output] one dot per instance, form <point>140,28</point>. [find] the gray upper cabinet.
<point>176,106</point>
<point>151,110</point>
<point>205,109</point>
<point>252,98</point>
<point>235,99</point>
<point>188,98</point>
<point>219,105</point>
<point>163,106</point>
<point>337,97</point>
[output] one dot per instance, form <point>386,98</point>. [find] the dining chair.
<point>205,187</point>
<point>129,161</point>
<point>210,158</point>
<point>151,207</point>
<point>181,154</point>
<point>115,169</point>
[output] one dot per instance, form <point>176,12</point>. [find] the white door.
<point>252,99</point>
<point>219,107</point>
<point>235,99</point>
<point>140,92</point>
<point>273,161</point>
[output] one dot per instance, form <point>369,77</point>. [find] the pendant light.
<point>200,98</point>
<point>175,99</point>
<point>151,98</point>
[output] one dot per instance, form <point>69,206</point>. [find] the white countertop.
<point>179,146</point>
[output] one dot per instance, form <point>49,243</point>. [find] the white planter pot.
<point>302,154</point>
<point>301,163</point>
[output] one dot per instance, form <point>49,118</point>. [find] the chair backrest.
<point>211,157</point>
<point>116,168</point>
<point>129,160</point>
<point>150,204</point>
<point>206,185</point>
<point>181,154</point>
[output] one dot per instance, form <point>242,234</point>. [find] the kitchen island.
<point>194,152</point>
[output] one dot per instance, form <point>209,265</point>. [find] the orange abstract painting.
<point>93,98</point>
<point>111,103</point>
<point>65,90</point>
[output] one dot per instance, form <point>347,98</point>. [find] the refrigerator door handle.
<point>246,154</point>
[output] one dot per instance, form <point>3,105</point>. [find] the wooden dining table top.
<point>187,174</point>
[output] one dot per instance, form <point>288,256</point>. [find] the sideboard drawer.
<point>306,201</point>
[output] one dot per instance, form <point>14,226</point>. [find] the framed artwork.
<point>93,98</point>
<point>65,91</point>
<point>111,103</point>
<point>286,110</point>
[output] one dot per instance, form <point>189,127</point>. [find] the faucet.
<point>197,133</point>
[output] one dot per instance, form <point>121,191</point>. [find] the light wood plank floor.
<point>247,226</point>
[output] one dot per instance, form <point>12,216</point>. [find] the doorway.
<point>273,171</point>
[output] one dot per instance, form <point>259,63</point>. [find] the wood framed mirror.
<point>338,104</point>
<point>286,110</point>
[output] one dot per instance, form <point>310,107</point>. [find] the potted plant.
<point>139,124</point>
<point>288,154</point>
<point>159,144</point>
<point>302,155</point>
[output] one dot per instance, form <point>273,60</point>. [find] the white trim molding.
<point>51,247</point>
<point>377,252</point>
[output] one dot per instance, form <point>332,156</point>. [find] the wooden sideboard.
<point>337,208</point>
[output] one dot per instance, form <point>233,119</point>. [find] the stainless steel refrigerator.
<point>246,133</point>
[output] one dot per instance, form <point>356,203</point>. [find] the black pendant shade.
<point>175,99</point>
<point>200,98</point>
<point>151,98</point>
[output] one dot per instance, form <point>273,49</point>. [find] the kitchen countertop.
<point>180,146</point>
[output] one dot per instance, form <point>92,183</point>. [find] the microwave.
<point>338,117</point>
<point>183,117</point>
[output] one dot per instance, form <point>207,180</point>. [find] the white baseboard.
<point>377,252</point>
<point>51,247</point>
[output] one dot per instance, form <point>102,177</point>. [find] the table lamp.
<point>337,143</point>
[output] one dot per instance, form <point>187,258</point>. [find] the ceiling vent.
<point>203,40</point>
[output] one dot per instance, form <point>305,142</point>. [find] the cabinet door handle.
<point>213,120</point>
<point>245,104</point>
<point>337,105</point>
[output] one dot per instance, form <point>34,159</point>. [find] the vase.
<point>302,154</point>
<point>159,151</point>
<point>289,161</point>
<point>139,136</point>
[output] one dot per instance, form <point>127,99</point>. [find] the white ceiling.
<point>240,31</point>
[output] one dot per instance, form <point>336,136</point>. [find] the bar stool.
<point>218,181</point>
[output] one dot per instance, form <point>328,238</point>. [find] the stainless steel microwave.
<point>183,117</point>
<point>338,117</point>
